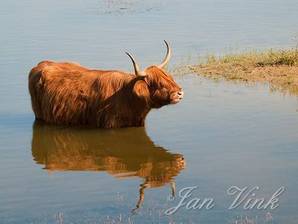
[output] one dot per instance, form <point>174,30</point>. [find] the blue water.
<point>222,134</point>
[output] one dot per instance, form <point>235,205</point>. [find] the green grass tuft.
<point>278,67</point>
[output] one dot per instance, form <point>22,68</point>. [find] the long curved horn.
<point>167,57</point>
<point>136,67</point>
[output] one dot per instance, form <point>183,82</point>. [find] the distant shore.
<point>279,68</point>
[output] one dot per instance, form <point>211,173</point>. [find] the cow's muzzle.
<point>176,97</point>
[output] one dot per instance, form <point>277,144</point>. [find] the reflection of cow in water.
<point>121,153</point>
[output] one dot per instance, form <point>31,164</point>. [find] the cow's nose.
<point>180,93</point>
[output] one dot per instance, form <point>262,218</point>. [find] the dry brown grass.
<point>277,67</point>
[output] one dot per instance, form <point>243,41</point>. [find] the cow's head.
<point>155,84</point>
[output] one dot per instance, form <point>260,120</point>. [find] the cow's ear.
<point>140,89</point>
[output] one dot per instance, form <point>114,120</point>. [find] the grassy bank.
<point>277,67</point>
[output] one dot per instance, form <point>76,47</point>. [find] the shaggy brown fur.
<point>69,94</point>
